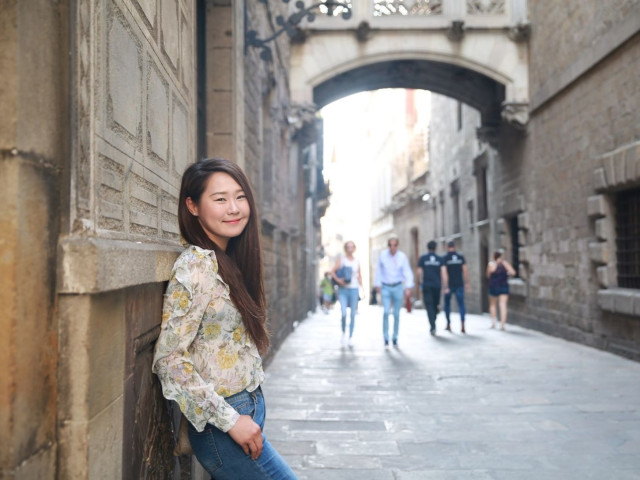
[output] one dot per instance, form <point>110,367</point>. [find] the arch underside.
<point>463,84</point>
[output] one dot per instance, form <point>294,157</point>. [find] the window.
<point>481,188</point>
<point>628,238</point>
<point>513,234</point>
<point>455,200</point>
<point>442,232</point>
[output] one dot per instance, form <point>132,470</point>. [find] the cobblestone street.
<point>486,405</point>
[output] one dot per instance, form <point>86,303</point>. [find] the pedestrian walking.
<point>208,354</point>
<point>346,273</point>
<point>326,292</point>
<point>498,272</point>
<point>432,271</point>
<point>457,283</point>
<point>393,280</point>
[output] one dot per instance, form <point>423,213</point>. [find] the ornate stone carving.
<point>363,32</point>
<point>488,134</point>
<point>516,114</point>
<point>484,7</point>
<point>520,32</point>
<point>455,32</point>
<point>406,7</point>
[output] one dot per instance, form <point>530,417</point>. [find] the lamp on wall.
<point>290,25</point>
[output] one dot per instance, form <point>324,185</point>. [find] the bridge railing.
<point>423,14</point>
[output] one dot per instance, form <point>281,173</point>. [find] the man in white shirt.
<point>393,280</point>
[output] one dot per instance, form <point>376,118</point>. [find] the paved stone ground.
<point>486,405</point>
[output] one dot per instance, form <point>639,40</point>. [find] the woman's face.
<point>223,210</point>
<point>349,248</point>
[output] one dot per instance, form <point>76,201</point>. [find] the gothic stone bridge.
<point>475,51</point>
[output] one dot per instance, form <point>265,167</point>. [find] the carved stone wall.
<point>133,134</point>
<point>582,131</point>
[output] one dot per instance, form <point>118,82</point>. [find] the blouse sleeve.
<point>185,302</point>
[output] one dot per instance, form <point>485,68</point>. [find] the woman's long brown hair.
<point>241,264</point>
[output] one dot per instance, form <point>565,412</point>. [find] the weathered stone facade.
<point>93,146</point>
<point>580,151</point>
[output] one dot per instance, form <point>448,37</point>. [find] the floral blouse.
<point>203,353</point>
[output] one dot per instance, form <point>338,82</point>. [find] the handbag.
<point>345,273</point>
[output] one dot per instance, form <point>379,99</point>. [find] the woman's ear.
<point>192,207</point>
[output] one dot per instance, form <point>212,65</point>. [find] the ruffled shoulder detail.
<point>198,267</point>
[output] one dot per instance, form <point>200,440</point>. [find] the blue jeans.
<point>224,459</point>
<point>393,294</point>
<point>348,298</point>
<point>459,293</point>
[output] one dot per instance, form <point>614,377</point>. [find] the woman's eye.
<point>220,200</point>
<point>241,196</point>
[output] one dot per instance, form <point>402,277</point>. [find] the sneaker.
<point>463,330</point>
<point>395,343</point>
<point>386,343</point>
<point>350,342</point>
<point>433,332</point>
<point>343,340</point>
<point>448,327</point>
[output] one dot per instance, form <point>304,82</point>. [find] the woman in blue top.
<point>498,272</point>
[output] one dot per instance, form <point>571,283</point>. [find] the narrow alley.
<point>487,405</point>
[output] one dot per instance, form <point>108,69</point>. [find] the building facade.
<point>104,105</point>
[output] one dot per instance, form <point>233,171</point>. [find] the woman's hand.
<point>248,435</point>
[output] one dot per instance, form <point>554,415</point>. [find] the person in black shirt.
<point>432,271</point>
<point>458,282</point>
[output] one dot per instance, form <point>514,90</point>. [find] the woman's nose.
<point>233,206</point>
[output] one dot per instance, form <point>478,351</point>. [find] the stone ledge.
<point>518,287</point>
<point>93,265</point>
<point>620,300</point>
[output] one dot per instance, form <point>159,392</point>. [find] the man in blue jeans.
<point>394,281</point>
<point>458,282</point>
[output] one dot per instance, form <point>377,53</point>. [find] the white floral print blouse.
<point>203,353</point>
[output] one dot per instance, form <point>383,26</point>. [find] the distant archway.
<point>469,86</point>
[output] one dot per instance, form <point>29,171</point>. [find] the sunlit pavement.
<point>486,405</point>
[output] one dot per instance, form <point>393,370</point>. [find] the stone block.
<point>158,115</point>
<point>501,226</point>
<point>219,69</point>
<point>610,171</point>
<point>598,252</point>
<point>603,276</point>
<point>180,139</point>
<point>518,287</point>
<point>599,179</point>
<point>636,305</point>
<point>523,254</point>
<point>219,112</point>
<point>523,221</point>
<point>620,167</point>
<point>106,353</point>
<point>219,23</point>
<point>188,55</point>
<point>105,440</point>
<point>170,33</point>
<point>596,206</point>
<point>605,299</point>
<point>124,86</point>
<point>632,160</point>
<point>623,301</point>
<point>603,228</point>
<point>522,237</point>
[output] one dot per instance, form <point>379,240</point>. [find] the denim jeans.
<point>459,293</point>
<point>393,294</point>
<point>224,459</point>
<point>348,298</point>
<point>431,296</point>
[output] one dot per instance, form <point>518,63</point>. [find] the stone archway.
<point>476,89</point>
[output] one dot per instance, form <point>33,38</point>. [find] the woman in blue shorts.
<point>498,272</point>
